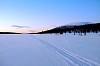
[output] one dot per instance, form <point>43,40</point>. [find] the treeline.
<point>95,28</point>
<point>9,33</point>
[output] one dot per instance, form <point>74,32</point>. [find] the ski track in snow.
<point>69,57</point>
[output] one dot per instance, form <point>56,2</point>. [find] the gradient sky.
<point>46,14</point>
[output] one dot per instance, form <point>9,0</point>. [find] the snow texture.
<point>50,50</point>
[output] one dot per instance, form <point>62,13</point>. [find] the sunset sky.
<point>37,15</point>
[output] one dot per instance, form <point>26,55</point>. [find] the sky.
<point>38,15</point>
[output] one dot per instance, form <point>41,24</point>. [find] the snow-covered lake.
<point>50,50</point>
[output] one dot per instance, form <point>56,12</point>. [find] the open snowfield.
<point>50,50</point>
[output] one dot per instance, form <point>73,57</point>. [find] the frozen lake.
<point>50,50</point>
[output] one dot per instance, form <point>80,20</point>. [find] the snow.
<point>50,50</point>
<point>80,23</point>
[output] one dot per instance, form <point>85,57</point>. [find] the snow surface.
<point>50,50</point>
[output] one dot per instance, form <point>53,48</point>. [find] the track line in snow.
<point>71,58</point>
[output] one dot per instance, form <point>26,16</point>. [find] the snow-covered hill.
<point>80,23</point>
<point>72,24</point>
<point>49,50</point>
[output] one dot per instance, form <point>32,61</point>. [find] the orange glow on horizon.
<point>22,30</point>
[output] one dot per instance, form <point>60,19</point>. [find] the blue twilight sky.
<point>44,14</point>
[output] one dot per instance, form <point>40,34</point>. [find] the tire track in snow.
<point>71,58</point>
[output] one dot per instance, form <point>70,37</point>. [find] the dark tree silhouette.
<point>95,28</point>
<point>9,33</point>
